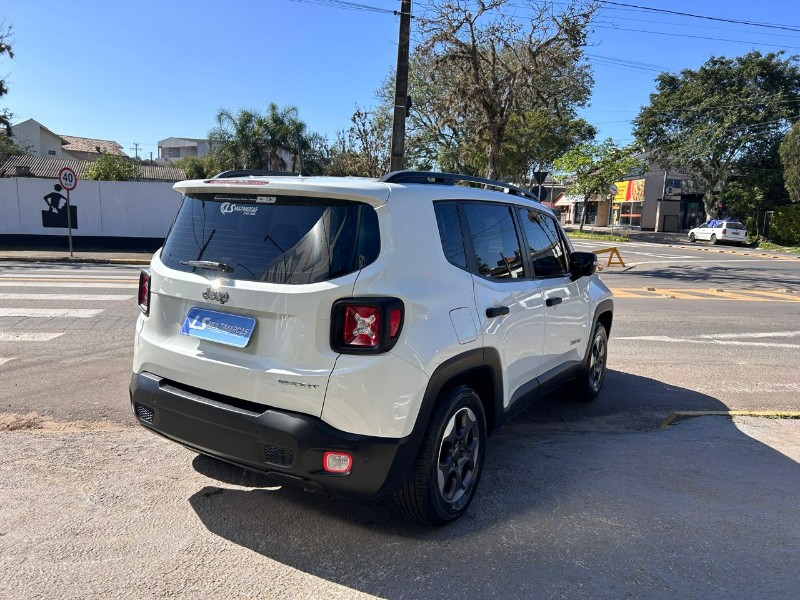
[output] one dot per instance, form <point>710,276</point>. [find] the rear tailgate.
<point>291,257</point>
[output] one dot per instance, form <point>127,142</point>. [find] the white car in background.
<point>718,230</point>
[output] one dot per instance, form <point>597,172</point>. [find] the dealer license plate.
<point>219,327</point>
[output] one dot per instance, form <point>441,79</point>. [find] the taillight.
<point>724,231</point>
<point>144,292</point>
<point>366,325</point>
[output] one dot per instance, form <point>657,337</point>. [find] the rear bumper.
<point>288,446</point>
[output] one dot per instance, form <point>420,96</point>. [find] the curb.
<point>67,259</point>
<point>682,415</point>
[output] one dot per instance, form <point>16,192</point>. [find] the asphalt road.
<point>576,501</point>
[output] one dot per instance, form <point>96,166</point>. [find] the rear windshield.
<point>733,225</point>
<point>277,239</point>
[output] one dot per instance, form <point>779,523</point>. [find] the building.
<point>175,148</point>
<point>46,167</point>
<point>38,140</point>
<point>90,148</point>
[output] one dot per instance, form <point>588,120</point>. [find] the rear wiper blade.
<point>208,264</point>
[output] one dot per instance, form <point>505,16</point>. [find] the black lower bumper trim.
<point>380,465</point>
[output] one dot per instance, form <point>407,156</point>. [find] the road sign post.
<point>68,181</point>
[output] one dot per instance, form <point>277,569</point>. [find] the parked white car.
<point>362,337</point>
<point>718,230</point>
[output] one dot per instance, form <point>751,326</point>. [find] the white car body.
<point>720,231</point>
<point>290,367</point>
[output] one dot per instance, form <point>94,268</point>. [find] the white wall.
<point>105,208</point>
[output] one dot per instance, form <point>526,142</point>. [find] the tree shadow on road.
<point>575,500</point>
<point>735,277</point>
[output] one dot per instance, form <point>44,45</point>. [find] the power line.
<point>698,37</point>
<point>343,4</point>
<point>706,17</point>
<point>695,25</point>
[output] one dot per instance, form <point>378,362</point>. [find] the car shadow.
<point>573,498</point>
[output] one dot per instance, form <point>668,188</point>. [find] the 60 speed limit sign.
<point>67,179</point>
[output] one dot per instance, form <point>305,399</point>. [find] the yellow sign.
<point>629,191</point>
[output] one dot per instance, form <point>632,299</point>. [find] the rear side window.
<point>494,239</point>
<point>276,239</point>
<point>450,232</point>
<point>547,252</point>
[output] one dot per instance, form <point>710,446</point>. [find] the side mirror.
<point>582,264</point>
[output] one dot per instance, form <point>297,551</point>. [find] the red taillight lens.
<point>724,231</point>
<point>144,292</point>
<point>395,318</point>
<point>366,325</point>
<point>362,326</point>
<point>337,462</point>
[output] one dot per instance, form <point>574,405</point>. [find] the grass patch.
<point>606,237</point>
<point>764,245</point>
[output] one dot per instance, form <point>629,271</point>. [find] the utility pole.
<point>136,149</point>
<point>401,89</point>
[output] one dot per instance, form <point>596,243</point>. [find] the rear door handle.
<point>553,301</point>
<point>496,311</point>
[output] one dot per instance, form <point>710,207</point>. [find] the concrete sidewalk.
<point>97,257</point>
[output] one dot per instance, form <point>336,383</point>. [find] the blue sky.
<point>149,70</point>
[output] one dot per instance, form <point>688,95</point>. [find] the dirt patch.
<point>37,423</point>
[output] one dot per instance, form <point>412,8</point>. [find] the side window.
<point>547,253</point>
<point>450,232</point>
<point>494,238</point>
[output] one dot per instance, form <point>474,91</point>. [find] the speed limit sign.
<point>67,179</point>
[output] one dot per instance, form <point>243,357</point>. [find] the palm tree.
<point>248,139</point>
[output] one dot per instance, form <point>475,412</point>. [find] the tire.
<point>691,237</point>
<point>713,239</point>
<point>450,461</point>
<point>589,383</point>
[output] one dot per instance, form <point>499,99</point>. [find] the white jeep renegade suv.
<point>362,337</point>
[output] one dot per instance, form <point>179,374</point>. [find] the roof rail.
<point>257,173</point>
<point>433,177</point>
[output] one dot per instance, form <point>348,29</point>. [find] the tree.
<point>487,59</point>
<point>536,139</point>
<point>593,167</point>
<point>9,148</point>
<point>196,167</point>
<point>363,150</point>
<point>5,48</point>
<point>790,160</point>
<point>111,167</point>
<point>711,123</point>
<point>248,139</point>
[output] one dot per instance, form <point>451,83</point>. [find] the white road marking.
<point>5,360</point>
<point>698,261</point>
<point>752,335</point>
<point>51,313</point>
<point>69,284</point>
<point>34,336</point>
<point>77,276</point>
<point>81,297</point>
<point>666,338</point>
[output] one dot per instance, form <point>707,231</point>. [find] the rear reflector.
<point>337,462</point>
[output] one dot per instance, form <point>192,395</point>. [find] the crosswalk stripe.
<point>81,297</point>
<point>33,336</point>
<point>5,360</point>
<point>70,284</point>
<point>50,313</point>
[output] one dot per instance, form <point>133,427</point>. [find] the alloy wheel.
<point>458,456</point>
